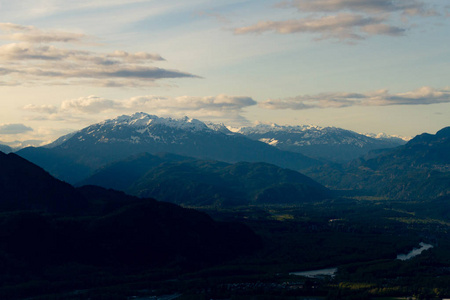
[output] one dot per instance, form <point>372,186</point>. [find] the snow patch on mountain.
<point>219,127</point>
<point>143,128</point>
<point>271,142</point>
<point>142,120</point>
<point>266,128</point>
<point>305,135</point>
<point>384,136</point>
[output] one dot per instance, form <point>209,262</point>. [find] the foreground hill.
<point>188,181</point>
<point>24,185</point>
<point>51,232</point>
<point>73,157</point>
<point>330,143</point>
<point>418,170</point>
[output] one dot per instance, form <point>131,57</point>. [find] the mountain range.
<point>420,169</point>
<point>194,182</point>
<point>74,157</point>
<point>326,143</point>
<point>416,169</point>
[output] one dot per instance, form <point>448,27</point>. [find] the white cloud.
<point>422,96</point>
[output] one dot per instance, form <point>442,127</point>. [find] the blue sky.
<point>369,66</point>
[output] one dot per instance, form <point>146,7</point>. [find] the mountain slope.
<point>50,231</point>
<point>189,181</point>
<point>330,143</point>
<point>60,165</point>
<point>111,175</point>
<point>419,169</point>
<point>24,185</point>
<point>119,138</point>
<point>425,151</point>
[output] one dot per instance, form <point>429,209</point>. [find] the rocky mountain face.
<point>419,169</point>
<point>329,143</point>
<point>74,157</point>
<point>194,182</point>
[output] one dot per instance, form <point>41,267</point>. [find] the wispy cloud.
<point>35,59</point>
<point>410,7</point>
<point>45,109</point>
<point>345,20</point>
<point>221,107</point>
<point>90,105</point>
<point>16,32</point>
<point>45,8</point>
<point>341,26</point>
<point>422,96</point>
<point>219,17</point>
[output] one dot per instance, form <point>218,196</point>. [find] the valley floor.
<point>359,237</point>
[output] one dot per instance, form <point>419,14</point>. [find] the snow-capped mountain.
<point>384,136</point>
<point>329,143</point>
<point>116,139</point>
<point>140,128</point>
<point>143,120</point>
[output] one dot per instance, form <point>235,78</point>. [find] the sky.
<point>369,66</point>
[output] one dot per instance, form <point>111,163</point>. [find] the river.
<point>316,273</point>
<point>414,252</point>
<point>332,271</point>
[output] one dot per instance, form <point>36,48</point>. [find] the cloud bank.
<point>422,96</point>
<point>14,128</point>
<point>221,107</point>
<point>345,20</point>
<point>32,58</point>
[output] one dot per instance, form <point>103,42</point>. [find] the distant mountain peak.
<point>262,128</point>
<point>331,143</point>
<point>141,119</point>
<point>219,127</point>
<point>384,136</point>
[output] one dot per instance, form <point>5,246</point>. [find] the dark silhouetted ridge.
<point>24,185</point>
